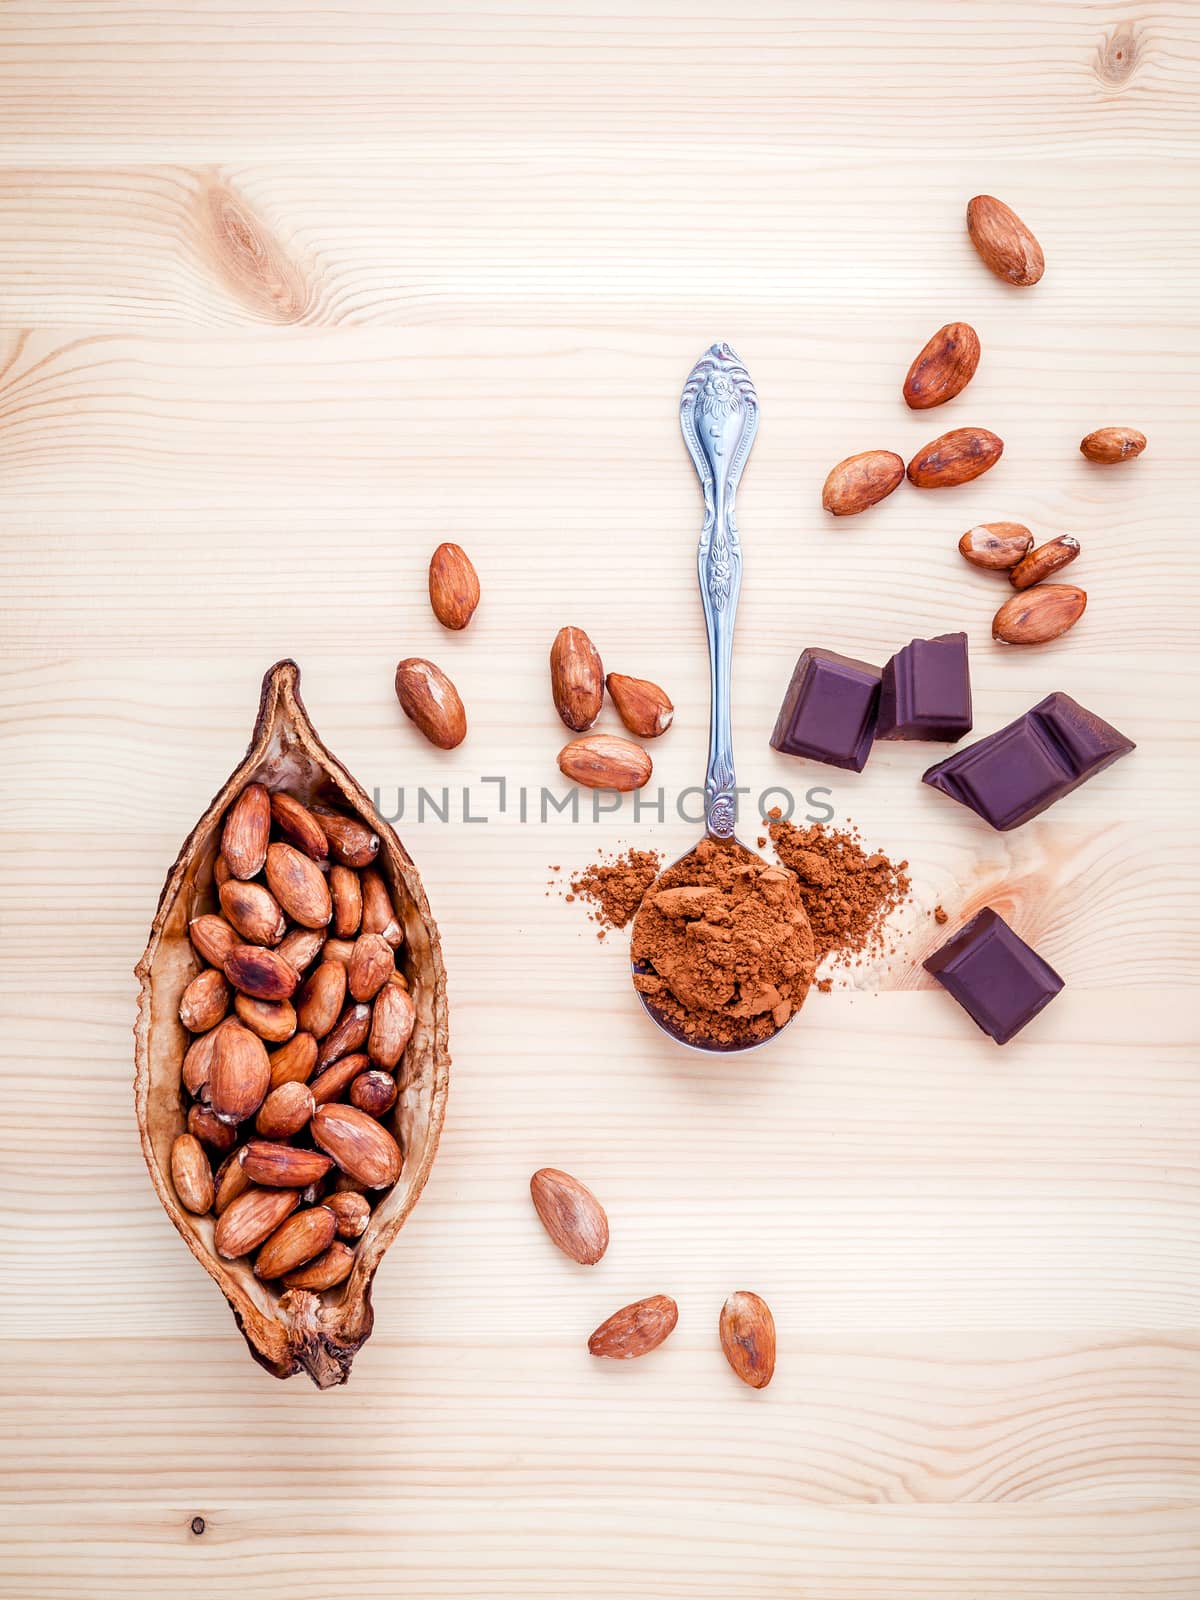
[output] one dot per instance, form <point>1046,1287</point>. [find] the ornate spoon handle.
<point>719,416</point>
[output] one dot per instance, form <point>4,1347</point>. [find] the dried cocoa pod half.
<point>287,1325</point>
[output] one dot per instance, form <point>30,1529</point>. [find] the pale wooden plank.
<point>364,415</point>
<point>556,1544</point>
<point>530,236</point>
<point>891,1421</point>
<point>1054,75</point>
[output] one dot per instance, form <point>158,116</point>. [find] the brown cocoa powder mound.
<point>615,887</point>
<point>722,946</point>
<point>847,892</point>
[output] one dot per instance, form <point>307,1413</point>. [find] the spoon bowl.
<point>718,413</point>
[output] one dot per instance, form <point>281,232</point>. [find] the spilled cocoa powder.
<point>848,892</point>
<point>722,947</point>
<point>615,885</point>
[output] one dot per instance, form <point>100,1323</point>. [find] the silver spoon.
<point>718,413</point>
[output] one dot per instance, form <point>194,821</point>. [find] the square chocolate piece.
<point>1017,773</point>
<point>828,713</point>
<point>1000,982</point>
<point>926,691</point>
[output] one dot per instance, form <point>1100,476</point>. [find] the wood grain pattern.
<point>288,297</point>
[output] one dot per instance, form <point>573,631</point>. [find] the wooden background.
<point>288,295</point>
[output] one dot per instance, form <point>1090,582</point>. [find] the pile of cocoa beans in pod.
<point>299,1021</point>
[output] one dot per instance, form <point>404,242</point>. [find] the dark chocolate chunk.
<point>1017,773</point>
<point>926,691</point>
<point>994,975</point>
<point>829,710</point>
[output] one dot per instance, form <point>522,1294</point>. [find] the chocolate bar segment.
<point>829,710</point>
<point>999,980</point>
<point>1017,773</point>
<point>925,691</point>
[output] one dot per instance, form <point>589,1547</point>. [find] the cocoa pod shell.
<point>287,1326</point>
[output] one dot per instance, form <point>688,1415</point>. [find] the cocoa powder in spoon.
<point>722,946</point>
